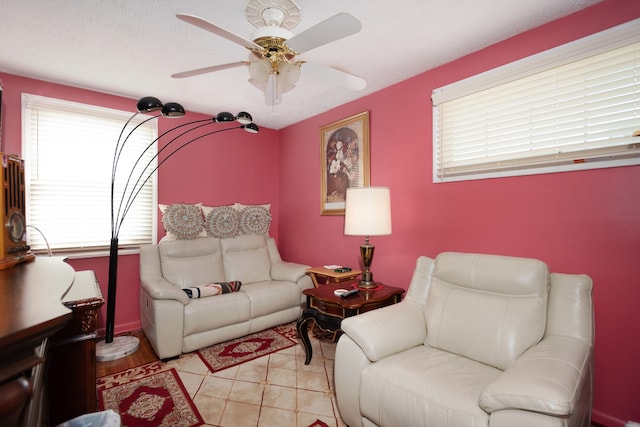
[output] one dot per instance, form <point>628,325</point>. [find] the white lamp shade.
<point>367,211</point>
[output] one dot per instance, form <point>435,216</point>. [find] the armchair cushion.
<point>485,307</point>
<point>439,389</point>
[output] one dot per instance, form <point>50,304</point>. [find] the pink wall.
<point>230,167</point>
<point>579,222</point>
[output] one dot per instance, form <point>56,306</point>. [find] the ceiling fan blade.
<point>212,28</point>
<point>333,76</point>
<point>327,31</point>
<point>205,70</point>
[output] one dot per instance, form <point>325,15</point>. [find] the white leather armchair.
<point>479,340</point>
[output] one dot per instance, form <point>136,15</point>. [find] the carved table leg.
<point>325,322</point>
<point>302,327</point>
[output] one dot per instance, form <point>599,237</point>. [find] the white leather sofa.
<point>479,340</point>
<point>270,294</point>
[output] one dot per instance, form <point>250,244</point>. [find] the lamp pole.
<point>112,348</point>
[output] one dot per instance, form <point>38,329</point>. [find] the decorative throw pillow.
<point>183,221</point>
<point>212,289</point>
<point>240,206</point>
<point>222,221</point>
<point>255,220</point>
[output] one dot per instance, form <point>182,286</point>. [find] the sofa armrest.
<point>388,330</point>
<point>288,271</point>
<point>548,378</point>
<point>159,288</point>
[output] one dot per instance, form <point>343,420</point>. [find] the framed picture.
<point>344,161</point>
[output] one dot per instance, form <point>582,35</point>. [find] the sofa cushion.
<point>206,314</point>
<point>271,296</point>
<point>187,263</point>
<point>246,258</point>
<point>488,308</point>
<point>440,389</point>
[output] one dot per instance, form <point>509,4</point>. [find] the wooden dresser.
<point>32,328</point>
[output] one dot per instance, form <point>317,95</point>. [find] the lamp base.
<point>367,284</point>
<point>117,349</point>
<point>367,280</point>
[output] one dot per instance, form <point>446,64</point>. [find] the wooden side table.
<point>72,355</point>
<point>323,276</point>
<point>328,310</point>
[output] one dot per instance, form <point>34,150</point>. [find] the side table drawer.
<point>330,309</point>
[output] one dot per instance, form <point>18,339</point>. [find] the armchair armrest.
<point>548,378</point>
<point>289,271</point>
<point>388,330</point>
<point>159,288</point>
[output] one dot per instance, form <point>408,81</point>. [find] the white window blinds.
<point>68,150</point>
<point>574,107</point>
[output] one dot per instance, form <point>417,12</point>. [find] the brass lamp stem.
<point>366,252</point>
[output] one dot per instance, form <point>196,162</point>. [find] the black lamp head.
<point>225,117</point>
<point>173,109</point>
<point>250,127</point>
<point>244,118</point>
<point>149,104</point>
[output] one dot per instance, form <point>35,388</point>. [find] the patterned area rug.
<point>148,396</point>
<point>234,352</point>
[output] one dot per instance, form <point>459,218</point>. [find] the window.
<point>68,150</point>
<point>572,107</point>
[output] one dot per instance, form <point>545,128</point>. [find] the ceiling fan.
<point>272,63</point>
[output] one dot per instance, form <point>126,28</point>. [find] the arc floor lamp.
<point>180,136</point>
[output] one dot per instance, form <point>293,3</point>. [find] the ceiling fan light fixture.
<point>272,66</point>
<point>288,75</point>
<point>259,71</point>
<point>274,82</point>
<point>148,104</point>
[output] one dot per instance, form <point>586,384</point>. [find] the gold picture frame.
<point>344,161</point>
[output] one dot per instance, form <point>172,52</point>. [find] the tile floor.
<point>274,390</point>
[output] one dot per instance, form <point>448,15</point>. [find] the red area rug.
<point>148,396</point>
<point>230,353</point>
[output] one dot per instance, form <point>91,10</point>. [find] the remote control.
<point>351,292</point>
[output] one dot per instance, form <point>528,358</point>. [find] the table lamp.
<point>367,213</point>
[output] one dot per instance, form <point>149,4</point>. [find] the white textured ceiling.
<point>131,47</point>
